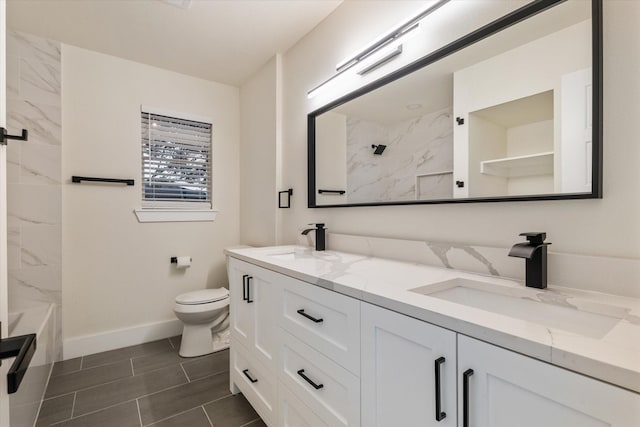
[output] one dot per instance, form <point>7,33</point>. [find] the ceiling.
<point>220,40</point>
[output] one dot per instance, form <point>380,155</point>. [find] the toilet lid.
<point>202,297</point>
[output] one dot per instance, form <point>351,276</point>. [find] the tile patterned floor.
<point>144,385</point>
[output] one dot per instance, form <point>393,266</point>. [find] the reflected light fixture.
<point>388,37</point>
<point>381,42</point>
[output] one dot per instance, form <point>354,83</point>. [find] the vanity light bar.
<point>387,38</point>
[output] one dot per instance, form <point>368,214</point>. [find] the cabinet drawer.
<point>332,392</point>
<point>256,382</point>
<point>326,320</point>
<point>294,413</point>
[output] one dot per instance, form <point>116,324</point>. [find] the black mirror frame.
<point>500,24</point>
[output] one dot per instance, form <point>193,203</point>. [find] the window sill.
<point>175,215</point>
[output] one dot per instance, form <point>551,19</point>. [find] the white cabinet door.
<point>506,389</point>
<point>241,312</point>
<point>255,302</point>
<point>398,372</point>
<point>257,383</point>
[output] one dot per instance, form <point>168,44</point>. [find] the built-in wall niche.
<point>511,147</point>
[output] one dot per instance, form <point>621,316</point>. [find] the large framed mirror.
<point>510,112</point>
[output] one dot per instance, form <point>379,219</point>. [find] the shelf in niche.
<point>517,166</point>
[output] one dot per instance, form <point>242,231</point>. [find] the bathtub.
<point>25,403</point>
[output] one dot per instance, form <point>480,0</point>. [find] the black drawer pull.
<point>440,415</point>
<point>244,287</point>
<point>307,379</point>
<point>465,397</point>
<point>246,374</point>
<point>249,278</point>
<point>313,319</point>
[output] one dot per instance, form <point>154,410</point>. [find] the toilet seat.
<point>204,296</point>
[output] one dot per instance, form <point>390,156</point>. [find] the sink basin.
<point>545,307</point>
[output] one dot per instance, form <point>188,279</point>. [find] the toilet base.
<point>199,340</point>
<point>196,341</point>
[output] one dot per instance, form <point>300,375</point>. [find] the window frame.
<point>178,210</point>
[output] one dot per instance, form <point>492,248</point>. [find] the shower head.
<point>378,149</point>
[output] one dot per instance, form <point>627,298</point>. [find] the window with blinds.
<point>176,162</point>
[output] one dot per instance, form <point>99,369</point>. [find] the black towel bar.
<point>22,348</point>
<point>79,179</point>
<point>341,192</point>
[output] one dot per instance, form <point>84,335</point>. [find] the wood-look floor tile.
<point>232,411</point>
<point>129,388</point>
<point>55,410</point>
<point>193,418</point>
<point>156,361</point>
<point>63,384</point>
<point>66,366</point>
<point>112,356</point>
<point>207,365</point>
<point>123,415</point>
<point>182,398</point>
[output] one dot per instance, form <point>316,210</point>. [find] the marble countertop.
<point>608,348</point>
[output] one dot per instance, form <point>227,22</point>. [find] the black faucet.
<point>535,252</point>
<point>320,235</point>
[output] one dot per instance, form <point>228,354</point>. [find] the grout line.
<point>250,422</point>
<point>73,405</point>
<point>90,387</point>
<point>139,413</point>
<point>185,373</point>
<point>171,344</point>
<point>206,414</point>
<point>174,415</point>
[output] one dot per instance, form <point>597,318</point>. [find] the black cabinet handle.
<point>313,319</point>
<point>246,374</point>
<point>244,287</point>
<point>465,397</point>
<point>249,278</point>
<point>440,415</point>
<point>307,379</point>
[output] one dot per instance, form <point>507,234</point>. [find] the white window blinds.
<point>176,162</point>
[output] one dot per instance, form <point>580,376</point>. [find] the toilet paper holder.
<point>174,260</point>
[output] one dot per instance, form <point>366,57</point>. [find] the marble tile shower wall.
<point>34,174</point>
<point>416,149</point>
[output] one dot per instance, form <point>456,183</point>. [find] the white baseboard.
<point>118,338</point>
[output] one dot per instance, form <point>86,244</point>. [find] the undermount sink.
<point>545,307</point>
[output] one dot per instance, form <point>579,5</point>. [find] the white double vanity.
<point>337,339</point>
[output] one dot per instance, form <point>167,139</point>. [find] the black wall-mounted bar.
<point>284,198</point>
<point>79,179</point>
<point>24,136</point>
<point>22,348</point>
<point>340,192</point>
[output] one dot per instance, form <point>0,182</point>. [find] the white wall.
<point>258,192</point>
<point>116,271</point>
<point>599,227</point>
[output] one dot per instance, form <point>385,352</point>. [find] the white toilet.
<point>205,315</point>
